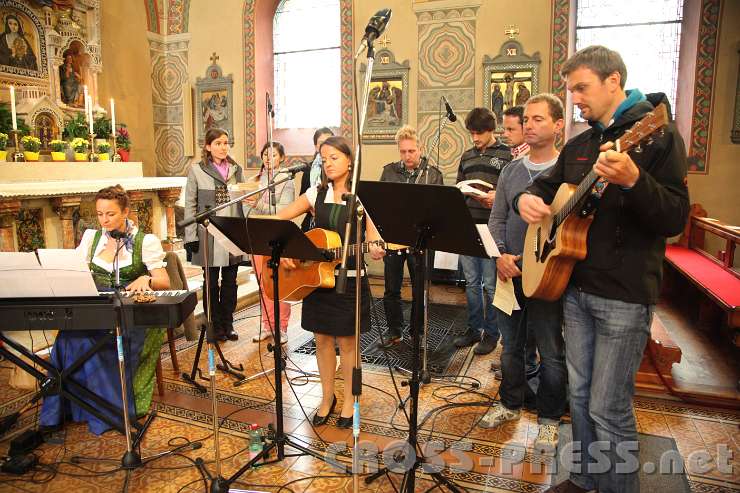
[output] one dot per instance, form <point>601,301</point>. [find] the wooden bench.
<point>661,353</point>
<point>713,276</point>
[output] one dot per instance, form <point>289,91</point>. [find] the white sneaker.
<point>497,416</point>
<point>262,336</point>
<point>547,438</point>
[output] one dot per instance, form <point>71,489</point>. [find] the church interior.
<point>97,93</point>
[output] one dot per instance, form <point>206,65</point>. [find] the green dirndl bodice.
<point>148,355</point>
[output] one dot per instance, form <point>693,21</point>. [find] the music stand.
<point>275,238</point>
<point>423,225</point>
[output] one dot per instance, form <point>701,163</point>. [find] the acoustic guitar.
<point>296,284</point>
<point>553,246</point>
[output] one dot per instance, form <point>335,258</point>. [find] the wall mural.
<point>214,101</point>
<point>388,101</point>
<point>446,68</point>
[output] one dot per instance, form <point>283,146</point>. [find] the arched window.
<point>306,45</point>
<point>647,33</point>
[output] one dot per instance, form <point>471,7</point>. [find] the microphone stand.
<point>218,483</point>
<point>270,121</point>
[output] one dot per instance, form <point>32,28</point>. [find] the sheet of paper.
<point>67,272</point>
<point>445,260</point>
<point>222,240</point>
<point>488,243</point>
<point>504,298</point>
<point>21,276</point>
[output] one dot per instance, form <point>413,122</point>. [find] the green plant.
<point>6,121</point>
<point>57,145</point>
<point>79,145</point>
<point>31,143</point>
<point>101,127</point>
<point>104,148</point>
<point>3,141</point>
<point>76,127</point>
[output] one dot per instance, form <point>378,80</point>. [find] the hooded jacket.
<point>626,240</point>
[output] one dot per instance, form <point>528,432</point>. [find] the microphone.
<point>296,168</point>
<point>375,27</point>
<point>450,114</point>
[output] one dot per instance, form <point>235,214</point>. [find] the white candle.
<point>12,107</point>
<point>90,115</point>
<point>113,116</point>
<point>85,99</point>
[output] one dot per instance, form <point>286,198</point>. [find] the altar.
<point>50,204</point>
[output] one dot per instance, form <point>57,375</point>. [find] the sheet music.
<point>488,243</point>
<point>222,240</point>
<point>445,260</point>
<point>67,272</point>
<point>505,298</point>
<point>21,276</point>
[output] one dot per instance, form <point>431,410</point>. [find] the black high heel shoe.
<point>321,420</point>
<point>343,422</point>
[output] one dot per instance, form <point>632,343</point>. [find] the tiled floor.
<point>185,414</point>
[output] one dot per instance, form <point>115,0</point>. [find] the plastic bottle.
<point>255,440</point>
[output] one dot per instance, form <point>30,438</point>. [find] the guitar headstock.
<point>650,123</point>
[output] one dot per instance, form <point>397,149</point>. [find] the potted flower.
<point>57,150</point>
<point>104,151</point>
<point>123,142</point>
<point>3,145</point>
<point>80,147</point>
<point>31,146</point>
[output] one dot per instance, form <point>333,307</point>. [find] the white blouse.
<point>152,253</point>
<point>313,192</point>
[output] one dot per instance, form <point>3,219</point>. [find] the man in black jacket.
<point>609,303</point>
<point>411,168</point>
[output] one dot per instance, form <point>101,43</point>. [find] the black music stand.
<point>425,224</point>
<point>275,238</point>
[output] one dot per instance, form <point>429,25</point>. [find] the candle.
<point>90,114</point>
<point>85,99</point>
<point>12,107</point>
<point>113,116</point>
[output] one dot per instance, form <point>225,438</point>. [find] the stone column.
<point>8,212</point>
<point>169,197</point>
<point>136,197</point>
<point>65,208</point>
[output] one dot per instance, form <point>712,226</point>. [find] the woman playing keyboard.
<point>142,268</point>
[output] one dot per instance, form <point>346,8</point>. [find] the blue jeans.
<point>543,320</point>
<point>605,342</point>
<point>480,284</point>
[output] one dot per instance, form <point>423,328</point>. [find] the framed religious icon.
<point>214,102</point>
<point>388,100</point>
<point>509,79</point>
<point>22,43</point>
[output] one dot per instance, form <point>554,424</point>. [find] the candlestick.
<point>12,107</point>
<point>90,114</point>
<point>84,96</point>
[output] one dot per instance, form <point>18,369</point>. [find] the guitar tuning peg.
<point>661,133</point>
<point>650,141</point>
<point>638,149</point>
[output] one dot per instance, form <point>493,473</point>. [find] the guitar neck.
<point>583,188</point>
<point>365,248</point>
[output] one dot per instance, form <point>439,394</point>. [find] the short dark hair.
<point>600,59</point>
<point>116,193</point>
<point>517,111</point>
<point>480,120</point>
<point>554,105</point>
<point>318,133</point>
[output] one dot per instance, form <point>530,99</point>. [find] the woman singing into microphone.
<point>326,313</point>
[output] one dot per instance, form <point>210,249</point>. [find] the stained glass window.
<point>647,33</point>
<point>306,41</point>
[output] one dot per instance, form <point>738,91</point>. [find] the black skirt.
<point>327,312</point>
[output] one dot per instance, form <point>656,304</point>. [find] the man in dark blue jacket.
<point>609,302</point>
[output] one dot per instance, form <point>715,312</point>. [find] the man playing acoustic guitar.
<point>609,302</point>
